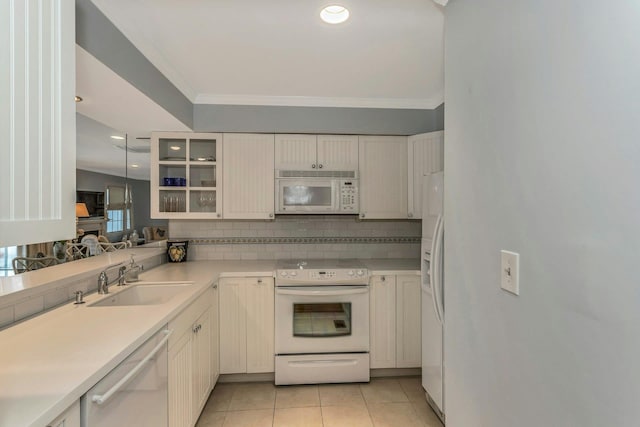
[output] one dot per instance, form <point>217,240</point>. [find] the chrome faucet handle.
<point>103,286</point>
<point>121,273</point>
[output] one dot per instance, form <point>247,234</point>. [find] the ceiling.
<point>388,55</point>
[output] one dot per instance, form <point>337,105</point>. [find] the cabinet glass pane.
<point>202,201</point>
<point>202,175</point>
<point>202,150</point>
<point>172,149</point>
<point>172,201</point>
<point>172,176</point>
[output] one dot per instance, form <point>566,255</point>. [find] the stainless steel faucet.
<point>103,279</point>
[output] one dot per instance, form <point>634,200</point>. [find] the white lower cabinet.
<point>69,418</point>
<point>190,361</point>
<point>382,321</point>
<point>408,322</point>
<point>246,325</point>
<point>395,322</point>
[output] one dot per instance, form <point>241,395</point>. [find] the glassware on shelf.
<point>174,203</point>
<point>207,200</point>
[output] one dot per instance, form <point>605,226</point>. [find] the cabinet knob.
<point>215,286</point>
<point>270,215</point>
<point>218,215</point>
<point>259,280</point>
<point>410,215</point>
<point>320,166</point>
<point>384,279</point>
<point>313,166</point>
<point>361,215</point>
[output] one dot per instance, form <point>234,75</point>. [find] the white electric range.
<point>322,322</point>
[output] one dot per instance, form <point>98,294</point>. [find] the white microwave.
<point>317,192</point>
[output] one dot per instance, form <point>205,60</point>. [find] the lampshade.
<point>81,210</point>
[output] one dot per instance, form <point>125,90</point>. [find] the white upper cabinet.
<point>38,128</point>
<point>338,152</point>
<point>248,176</point>
<point>383,177</point>
<point>426,155</point>
<point>186,175</point>
<point>295,152</point>
<point>316,152</point>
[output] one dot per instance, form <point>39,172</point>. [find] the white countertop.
<point>55,358</point>
<point>392,266</point>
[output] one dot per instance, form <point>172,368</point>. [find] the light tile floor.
<point>384,402</point>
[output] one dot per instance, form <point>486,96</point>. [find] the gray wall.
<point>93,181</point>
<point>542,158</point>
<point>274,119</point>
<point>98,36</point>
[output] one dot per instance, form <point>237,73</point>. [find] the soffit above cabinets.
<point>111,105</point>
<point>387,55</point>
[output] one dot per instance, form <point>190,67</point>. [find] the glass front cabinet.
<point>186,175</point>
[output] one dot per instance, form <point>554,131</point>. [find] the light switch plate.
<point>510,272</point>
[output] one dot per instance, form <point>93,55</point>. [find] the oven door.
<point>307,196</point>
<point>322,319</point>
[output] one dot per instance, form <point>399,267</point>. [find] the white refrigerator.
<point>432,291</point>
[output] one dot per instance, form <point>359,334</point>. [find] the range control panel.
<point>322,276</point>
<point>349,199</point>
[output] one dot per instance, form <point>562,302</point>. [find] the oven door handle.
<point>353,290</point>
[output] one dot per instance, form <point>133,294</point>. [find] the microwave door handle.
<point>315,293</point>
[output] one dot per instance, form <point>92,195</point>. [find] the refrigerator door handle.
<point>437,283</point>
<point>434,269</point>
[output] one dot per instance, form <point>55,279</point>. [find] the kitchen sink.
<point>152,294</point>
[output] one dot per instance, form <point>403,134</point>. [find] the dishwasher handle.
<point>104,398</point>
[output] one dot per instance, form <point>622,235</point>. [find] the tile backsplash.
<point>297,236</point>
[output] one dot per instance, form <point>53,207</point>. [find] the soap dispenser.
<point>133,271</point>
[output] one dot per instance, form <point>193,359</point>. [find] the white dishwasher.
<point>134,393</point>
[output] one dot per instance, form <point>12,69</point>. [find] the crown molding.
<point>311,101</point>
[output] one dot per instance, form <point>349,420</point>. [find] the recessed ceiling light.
<point>334,14</point>
<point>78,98</point>
<point>175,148</point>
<point>135,166</point>
<point>117,137</point>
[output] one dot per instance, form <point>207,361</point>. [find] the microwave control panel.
<point>349,199</point>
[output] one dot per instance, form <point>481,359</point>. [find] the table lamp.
<point>81,212</point>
